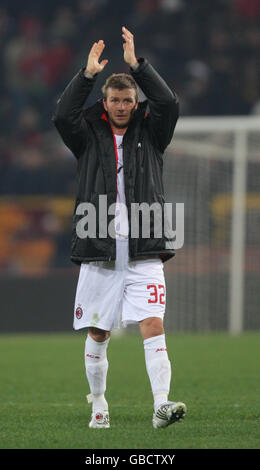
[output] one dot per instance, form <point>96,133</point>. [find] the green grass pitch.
<point>43,389</point>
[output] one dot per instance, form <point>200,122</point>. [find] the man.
<point>119,145</point>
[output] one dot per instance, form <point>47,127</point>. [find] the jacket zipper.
<point>116,157</point>
<point>139,149</point>
<point>104,116</point>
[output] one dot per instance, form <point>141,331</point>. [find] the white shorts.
<point>111,291</point>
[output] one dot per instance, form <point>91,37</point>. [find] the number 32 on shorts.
<point>157,294</point>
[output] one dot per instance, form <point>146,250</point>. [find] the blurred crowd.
<point>207,51</point>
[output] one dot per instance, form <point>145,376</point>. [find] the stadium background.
<point>208,52</point>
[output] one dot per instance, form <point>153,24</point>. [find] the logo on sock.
<point>161,349</point>
<point>79,313</point>
<point>92,356</point>
<point>99,416</point>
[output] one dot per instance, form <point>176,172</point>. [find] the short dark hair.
<point>120,81</point>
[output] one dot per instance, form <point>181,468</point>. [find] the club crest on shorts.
<point>79,312</point>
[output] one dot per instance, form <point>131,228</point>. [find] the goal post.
<point>211,157</point>
<point>236,296</point>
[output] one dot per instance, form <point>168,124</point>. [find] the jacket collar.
<point>97,111</point>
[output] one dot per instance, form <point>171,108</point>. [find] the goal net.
<point>212,166</point>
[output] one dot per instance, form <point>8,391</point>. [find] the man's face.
<point>120,106</point>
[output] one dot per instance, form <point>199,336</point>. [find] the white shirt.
<point>121,214</point>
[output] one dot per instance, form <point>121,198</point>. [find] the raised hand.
<point>93,65</point>
<point>129,47</point>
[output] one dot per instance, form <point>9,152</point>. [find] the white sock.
<point>158,368</point>
<point>96,364</point>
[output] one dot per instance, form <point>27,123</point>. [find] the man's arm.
<point>68,116</point>
<point>163,103</point>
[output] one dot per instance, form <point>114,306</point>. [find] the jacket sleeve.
<point>68,116</point>
<point>163,103</point>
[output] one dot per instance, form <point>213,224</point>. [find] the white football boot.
<point>169,413</point>
<point>99,420</point>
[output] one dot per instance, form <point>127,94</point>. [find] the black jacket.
<point>88,134</point>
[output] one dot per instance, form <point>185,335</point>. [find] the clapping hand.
<point>93,65</point>
<point>129,47</point>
